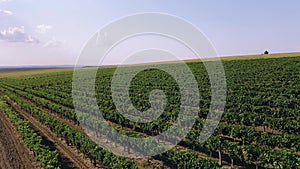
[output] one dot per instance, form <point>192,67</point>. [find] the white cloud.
<point>31,39</point>
<point>4,1</point>
<point>16,34</point>
<point>53,43</point>
<point>7,12</point>
<point>42,29</point>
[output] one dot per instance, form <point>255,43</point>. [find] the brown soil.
<point>71,154</point>
<point>140,162</point>
<point>268,130</point>
<point>55,115</point>
<point>13,152</point>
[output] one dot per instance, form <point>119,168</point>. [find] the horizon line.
<point>242,56</point>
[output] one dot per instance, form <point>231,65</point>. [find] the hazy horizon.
<point>74,65</point>
<point>54,32</point>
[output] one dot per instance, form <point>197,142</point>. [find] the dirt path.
<point>140,162</point>
<point>75,157</point>
<point>13,152</point>
<point>55,115</point>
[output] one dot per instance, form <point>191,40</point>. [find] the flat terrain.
<point>263,91</point>
<point>227,58</point>
<point>261,56</point>
<point>29,71</point>
<point>32,71</point>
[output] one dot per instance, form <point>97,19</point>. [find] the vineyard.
<point>260,127</point>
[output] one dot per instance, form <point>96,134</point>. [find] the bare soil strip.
<point>13,152</point>
<point>70,153</point>
<point>140,162</point>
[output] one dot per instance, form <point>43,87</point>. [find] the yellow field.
<point>262,56</point>
<point>242,57</point>
<point>23,72</point>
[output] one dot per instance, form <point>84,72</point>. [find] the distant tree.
<point>266,52</point>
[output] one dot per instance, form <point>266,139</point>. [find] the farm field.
<point>260,127</point>
<point>27,71</point>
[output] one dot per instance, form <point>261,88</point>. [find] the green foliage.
<point>74,137</point>
<point>189,159</point>
<point>42,153</point>
<point>262,93</point>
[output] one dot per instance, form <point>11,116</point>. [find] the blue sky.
<point>54,32</point>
